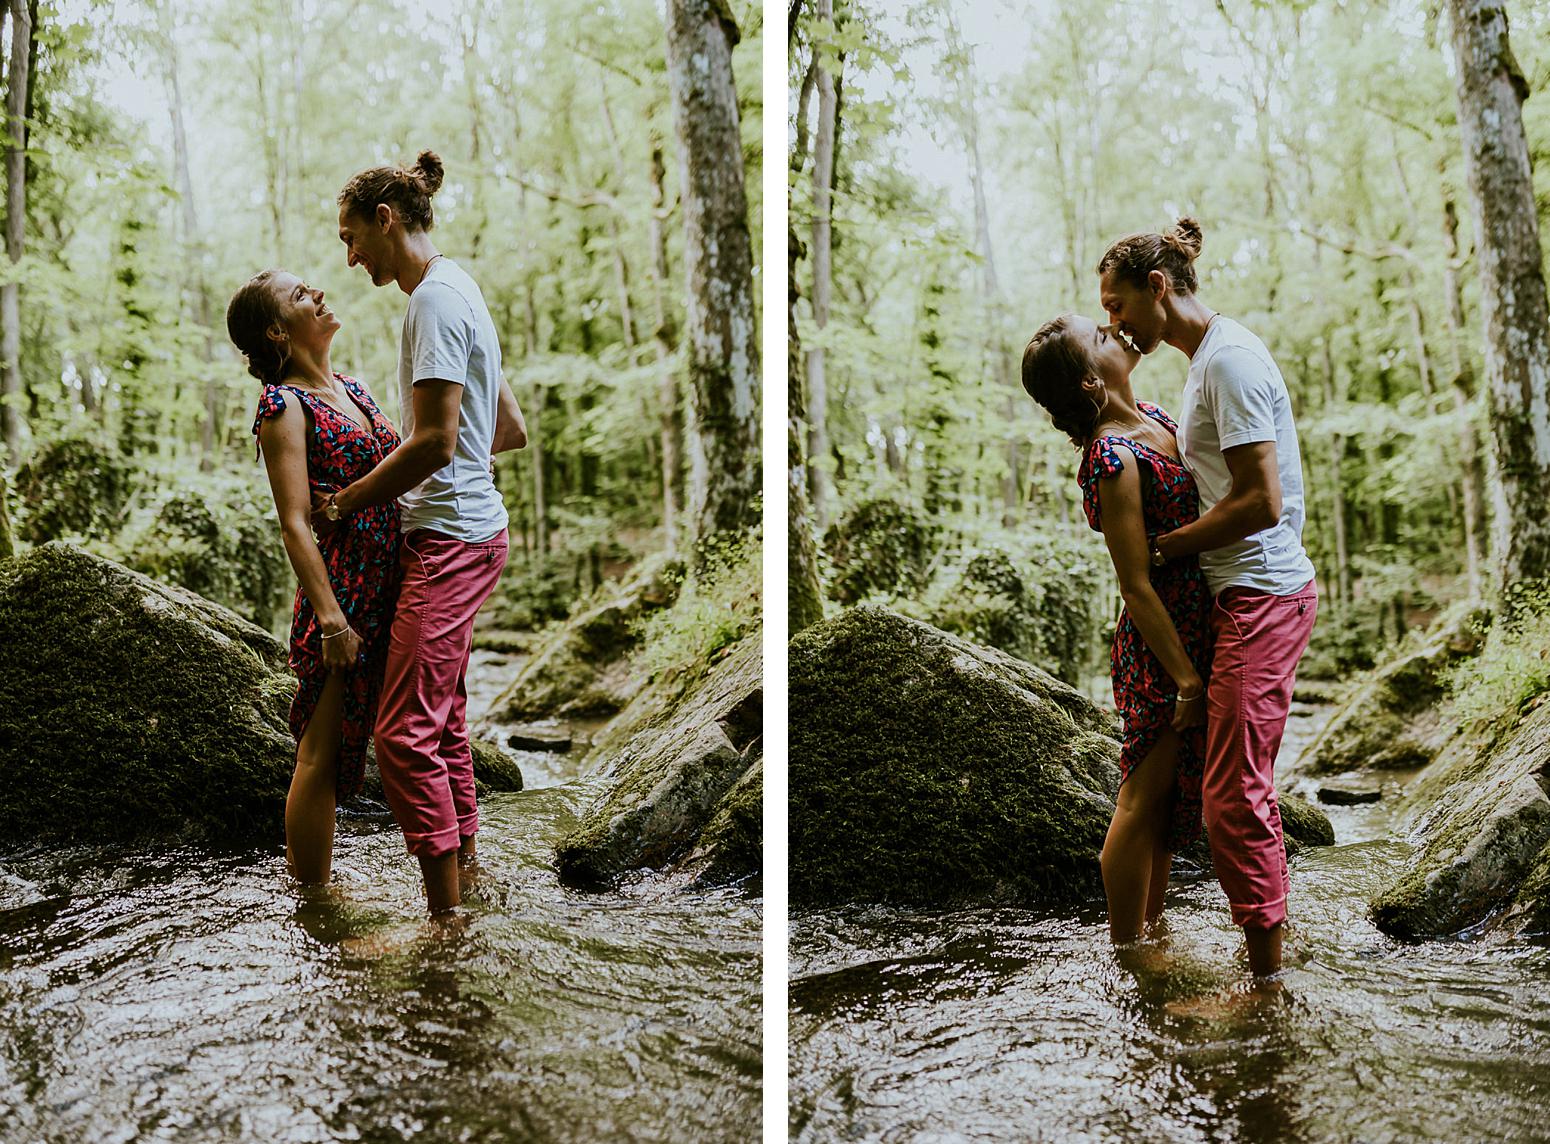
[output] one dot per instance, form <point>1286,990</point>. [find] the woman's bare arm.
<point>284,443</point>
<point>1124,531</point>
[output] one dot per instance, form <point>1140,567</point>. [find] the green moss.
<point>134,707</point>
<point>733,841</point>
<point>925,769</point>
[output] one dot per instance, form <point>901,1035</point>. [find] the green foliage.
<point>1039,598</point>
<point>719,604</point>
<point>218,539</point>
<point>881,546</point>
<point>1512,670</point>
<point>71,486</point>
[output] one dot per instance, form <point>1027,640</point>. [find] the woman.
<point>318,431</point>
<point>1134,486</point>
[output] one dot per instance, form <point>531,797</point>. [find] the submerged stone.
<point>1341,796</point>
<point>130,707</point>
<point>687,782</point>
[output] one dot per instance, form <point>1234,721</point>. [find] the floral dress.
<point>1143,691</point>
<point>361,555</point>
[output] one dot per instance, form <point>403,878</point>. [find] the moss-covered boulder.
<point>582,667</point>
<point>687,783</point>
<point>129,706</point>
<point>1392,719</point>
<point>1482,825</point>
<point>1303,824</point>
<point>925,768</point>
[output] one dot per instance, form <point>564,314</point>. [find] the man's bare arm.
<point>510,428</point>
<point>1253,505</point>
<point>429,448</point>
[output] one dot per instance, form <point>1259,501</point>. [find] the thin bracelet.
<point>335,635</point>
<point>1182,698</point>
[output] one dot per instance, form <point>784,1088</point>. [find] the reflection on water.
<point>1004,1024</point>
<point>191,996</point>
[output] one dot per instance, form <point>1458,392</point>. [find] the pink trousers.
<point>422,727</point>
<point>1259,639</point>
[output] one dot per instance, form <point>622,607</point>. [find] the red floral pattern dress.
<point>1143,691</point>
<point>361,556</point>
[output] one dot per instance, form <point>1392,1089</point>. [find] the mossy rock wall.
<point>581,668</point>
<point>133,707</point>
<point>1483,835</point>
<point>687,783</point>
<point>927,769</point>
<point>1392,719</point>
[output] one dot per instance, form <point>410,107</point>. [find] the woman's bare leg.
<point>1136,833</point>
<point>309,808</point>
<point>1162,866</point>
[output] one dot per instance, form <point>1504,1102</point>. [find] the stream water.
<point>197,996</point>
<point>1003,1024</point>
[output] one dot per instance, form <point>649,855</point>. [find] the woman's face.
<point>1112,357</point>
<point>308,320</point>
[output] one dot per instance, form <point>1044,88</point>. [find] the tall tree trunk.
<point>18,78</point>
<point>1462,386</point>
<point>193,248</point>
<point>823,277</point>
<point>1333,398</point>
<point>804,592</point>
<point>535,439</point>
<point>1491,90</point>
<point>662,339</point>
<point>7,540</point>
<point>723,330</point>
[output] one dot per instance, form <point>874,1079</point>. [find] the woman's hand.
<point>1189,710</point>
<point>341,648</point>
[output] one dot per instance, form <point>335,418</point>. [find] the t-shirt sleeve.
<point>1241,393</point>
<point>441,334</point>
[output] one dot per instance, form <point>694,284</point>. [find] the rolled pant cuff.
<point>436,845</point>
<point>1266,915</point>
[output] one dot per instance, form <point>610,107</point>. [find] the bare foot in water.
<point>1232,1004</point>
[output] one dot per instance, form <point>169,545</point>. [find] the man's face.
<point>1136,311</point>
<point>366,245</point>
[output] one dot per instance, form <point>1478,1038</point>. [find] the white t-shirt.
<point>448,334</point>
<point>1235,395</point>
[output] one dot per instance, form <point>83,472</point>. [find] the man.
<point>457,410</point>
<point>1236,436</point>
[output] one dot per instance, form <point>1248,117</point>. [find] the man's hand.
<point>321,525</point>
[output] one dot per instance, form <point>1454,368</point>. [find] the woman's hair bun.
<point>1185,234</point>
<point>428,170</point>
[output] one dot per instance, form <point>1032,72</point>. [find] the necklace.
<point>426,269</point>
